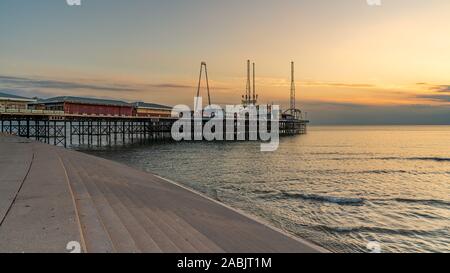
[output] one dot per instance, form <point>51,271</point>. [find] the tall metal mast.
<point>250,98</point>
<point>254,86</point>
<point>207,82</point>
<point>293,107</point>
<point>249,87</point>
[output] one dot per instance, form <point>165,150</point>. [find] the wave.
<point>435,159</point>
<point>344,172</point>
<point>350,201</point>
<point>322,198</point>
<point>421,201</point>
<point>336,153</point>
<point>383,172</point>
<point>382,230</point>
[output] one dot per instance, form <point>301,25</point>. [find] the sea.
<point>345,188</point>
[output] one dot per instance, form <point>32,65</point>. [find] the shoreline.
<point>110,207</point>
<point>246,214</point>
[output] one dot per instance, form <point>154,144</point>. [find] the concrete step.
<point>120,236</point>
<point>227,231</point>
<point>230,239</point>
<point>163,242</point>
<point>47,215</point>
<point>161,231</point>
<point>179,238</point>
<point>96,237</point>
<point>157,231</point>
<point>197,239</point>
<point>206,222</point>
<point>200,221</point>
<point>210,222</point>
<point>139,226</point>
<point>142,239</point>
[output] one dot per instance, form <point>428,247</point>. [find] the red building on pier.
<point>85,106</point>
<point>101,107</point>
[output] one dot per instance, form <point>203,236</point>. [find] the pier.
<point>50,196</point>
<point>71,121</point>
<point>61,129</point>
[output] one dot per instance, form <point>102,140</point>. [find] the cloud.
<point>170,86</point>
<point>27,83</point>
<point>332,113</point>
<point>442,88</point>
<point>22,82</point>
<point>433,97</point>
<point>334,104</point>
<point>284,82</point>
<point>24,93</point>
<point>340,84</point>
<point>182,86</point>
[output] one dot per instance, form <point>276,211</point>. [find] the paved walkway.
<point>50,196</point>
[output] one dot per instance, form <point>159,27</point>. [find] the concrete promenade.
<point>50,196</point>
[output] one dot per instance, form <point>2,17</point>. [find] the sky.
<point>355,63</point>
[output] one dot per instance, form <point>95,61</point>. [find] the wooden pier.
<point>50,196</point>
<point>67,130</point>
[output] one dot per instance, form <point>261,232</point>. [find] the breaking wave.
<point>350,201</point>
<point>433,202</point>
<point>435,159</point>
<point>320,198</point>
<point>379,230</point>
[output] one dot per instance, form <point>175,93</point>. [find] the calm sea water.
<point>340,187</point>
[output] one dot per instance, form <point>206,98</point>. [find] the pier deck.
<point>50,196</point>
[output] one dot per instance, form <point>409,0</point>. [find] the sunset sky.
<point>355,63</point>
